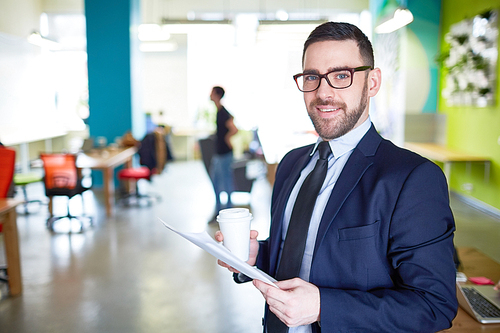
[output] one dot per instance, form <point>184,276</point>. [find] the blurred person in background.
<point>221,172</point>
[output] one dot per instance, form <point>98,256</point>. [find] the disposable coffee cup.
<point>234,223</point>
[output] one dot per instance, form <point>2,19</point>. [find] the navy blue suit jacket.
<point>383,259</point>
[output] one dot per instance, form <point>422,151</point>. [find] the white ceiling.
<point>63,14</point>
<point>153,11</point>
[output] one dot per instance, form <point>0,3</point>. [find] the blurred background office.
<point>72,70</point>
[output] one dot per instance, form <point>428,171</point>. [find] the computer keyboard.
<point>480,304</point>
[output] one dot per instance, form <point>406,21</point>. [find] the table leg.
<point>128,163</point>
<point>109,191</point>
<point>130,184</point>
<point>51,211</point>
<point>11,240</point>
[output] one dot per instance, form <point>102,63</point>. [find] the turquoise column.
<point>113,67</point>
<point>425,25</point>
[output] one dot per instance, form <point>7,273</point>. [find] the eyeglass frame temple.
<point>325,76</point>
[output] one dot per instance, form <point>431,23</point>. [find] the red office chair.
<point>7,167</point>
<point>62,178</point>
<point>136,174</point>
<point>153,153</point>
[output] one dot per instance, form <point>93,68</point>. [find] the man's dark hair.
<point>339,31</point>
<point>219,91</point>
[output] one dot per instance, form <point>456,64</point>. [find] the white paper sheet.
<point>207,243</point>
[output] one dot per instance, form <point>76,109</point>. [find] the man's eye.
<point>341,75</point>
<point>310,78</point>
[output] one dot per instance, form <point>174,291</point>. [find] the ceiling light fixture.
<point>282,15</point>
<point>393,17</point>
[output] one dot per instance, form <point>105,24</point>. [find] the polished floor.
<point>129,273</point>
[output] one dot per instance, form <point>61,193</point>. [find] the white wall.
<point>38,97</point>
<point>256,74</point>
<point>20,17</point>
<point>164,85</point>
<point>257,78</point>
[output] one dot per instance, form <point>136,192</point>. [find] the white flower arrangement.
<point>471,61</point>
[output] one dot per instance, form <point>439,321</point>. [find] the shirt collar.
<point>348,141</point>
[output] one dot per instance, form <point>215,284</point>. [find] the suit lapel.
<point>279,211</point>
<point>359,161</point>
<point>291,181</point>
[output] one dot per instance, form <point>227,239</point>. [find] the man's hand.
<point>296,303</point>
<point>254,249</point>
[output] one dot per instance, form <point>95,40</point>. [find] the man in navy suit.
<point>379,248</point>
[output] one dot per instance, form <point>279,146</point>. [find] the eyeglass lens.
<point>337,79</point>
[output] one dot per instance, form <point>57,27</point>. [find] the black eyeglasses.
<point>338,79</point>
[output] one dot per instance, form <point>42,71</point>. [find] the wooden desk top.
<point>441,153</point>
<point>475,263</point>
<point>102,159</point>
<point>6,204</point>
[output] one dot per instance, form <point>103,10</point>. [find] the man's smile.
<point>327,109</point>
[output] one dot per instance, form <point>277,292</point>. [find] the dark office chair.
<point>241,182</point>
<point>62,178</point>
<point>7,167</point>
<point>207,150</point>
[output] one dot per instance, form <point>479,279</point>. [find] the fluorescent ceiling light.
<point>282,15</point>
<point>211,16</point>
<point>400,18</point>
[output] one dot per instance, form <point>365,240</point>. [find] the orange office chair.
<point>62,178</point>
<point>7,167</point>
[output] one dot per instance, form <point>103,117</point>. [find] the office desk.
<point>448,156</point>
<point>106,161</point>
<point>8,218</point>
<point>475,263</point>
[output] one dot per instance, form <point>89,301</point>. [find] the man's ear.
<point>374,81</point>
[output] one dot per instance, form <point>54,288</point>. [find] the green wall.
<point>472,129</point>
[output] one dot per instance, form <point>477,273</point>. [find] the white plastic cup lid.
<point>234,213</point>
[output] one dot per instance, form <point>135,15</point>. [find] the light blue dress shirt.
<point>342,149</point>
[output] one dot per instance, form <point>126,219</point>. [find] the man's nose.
<point>325,90</point>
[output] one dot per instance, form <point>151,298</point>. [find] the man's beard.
<point>333,128</point>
